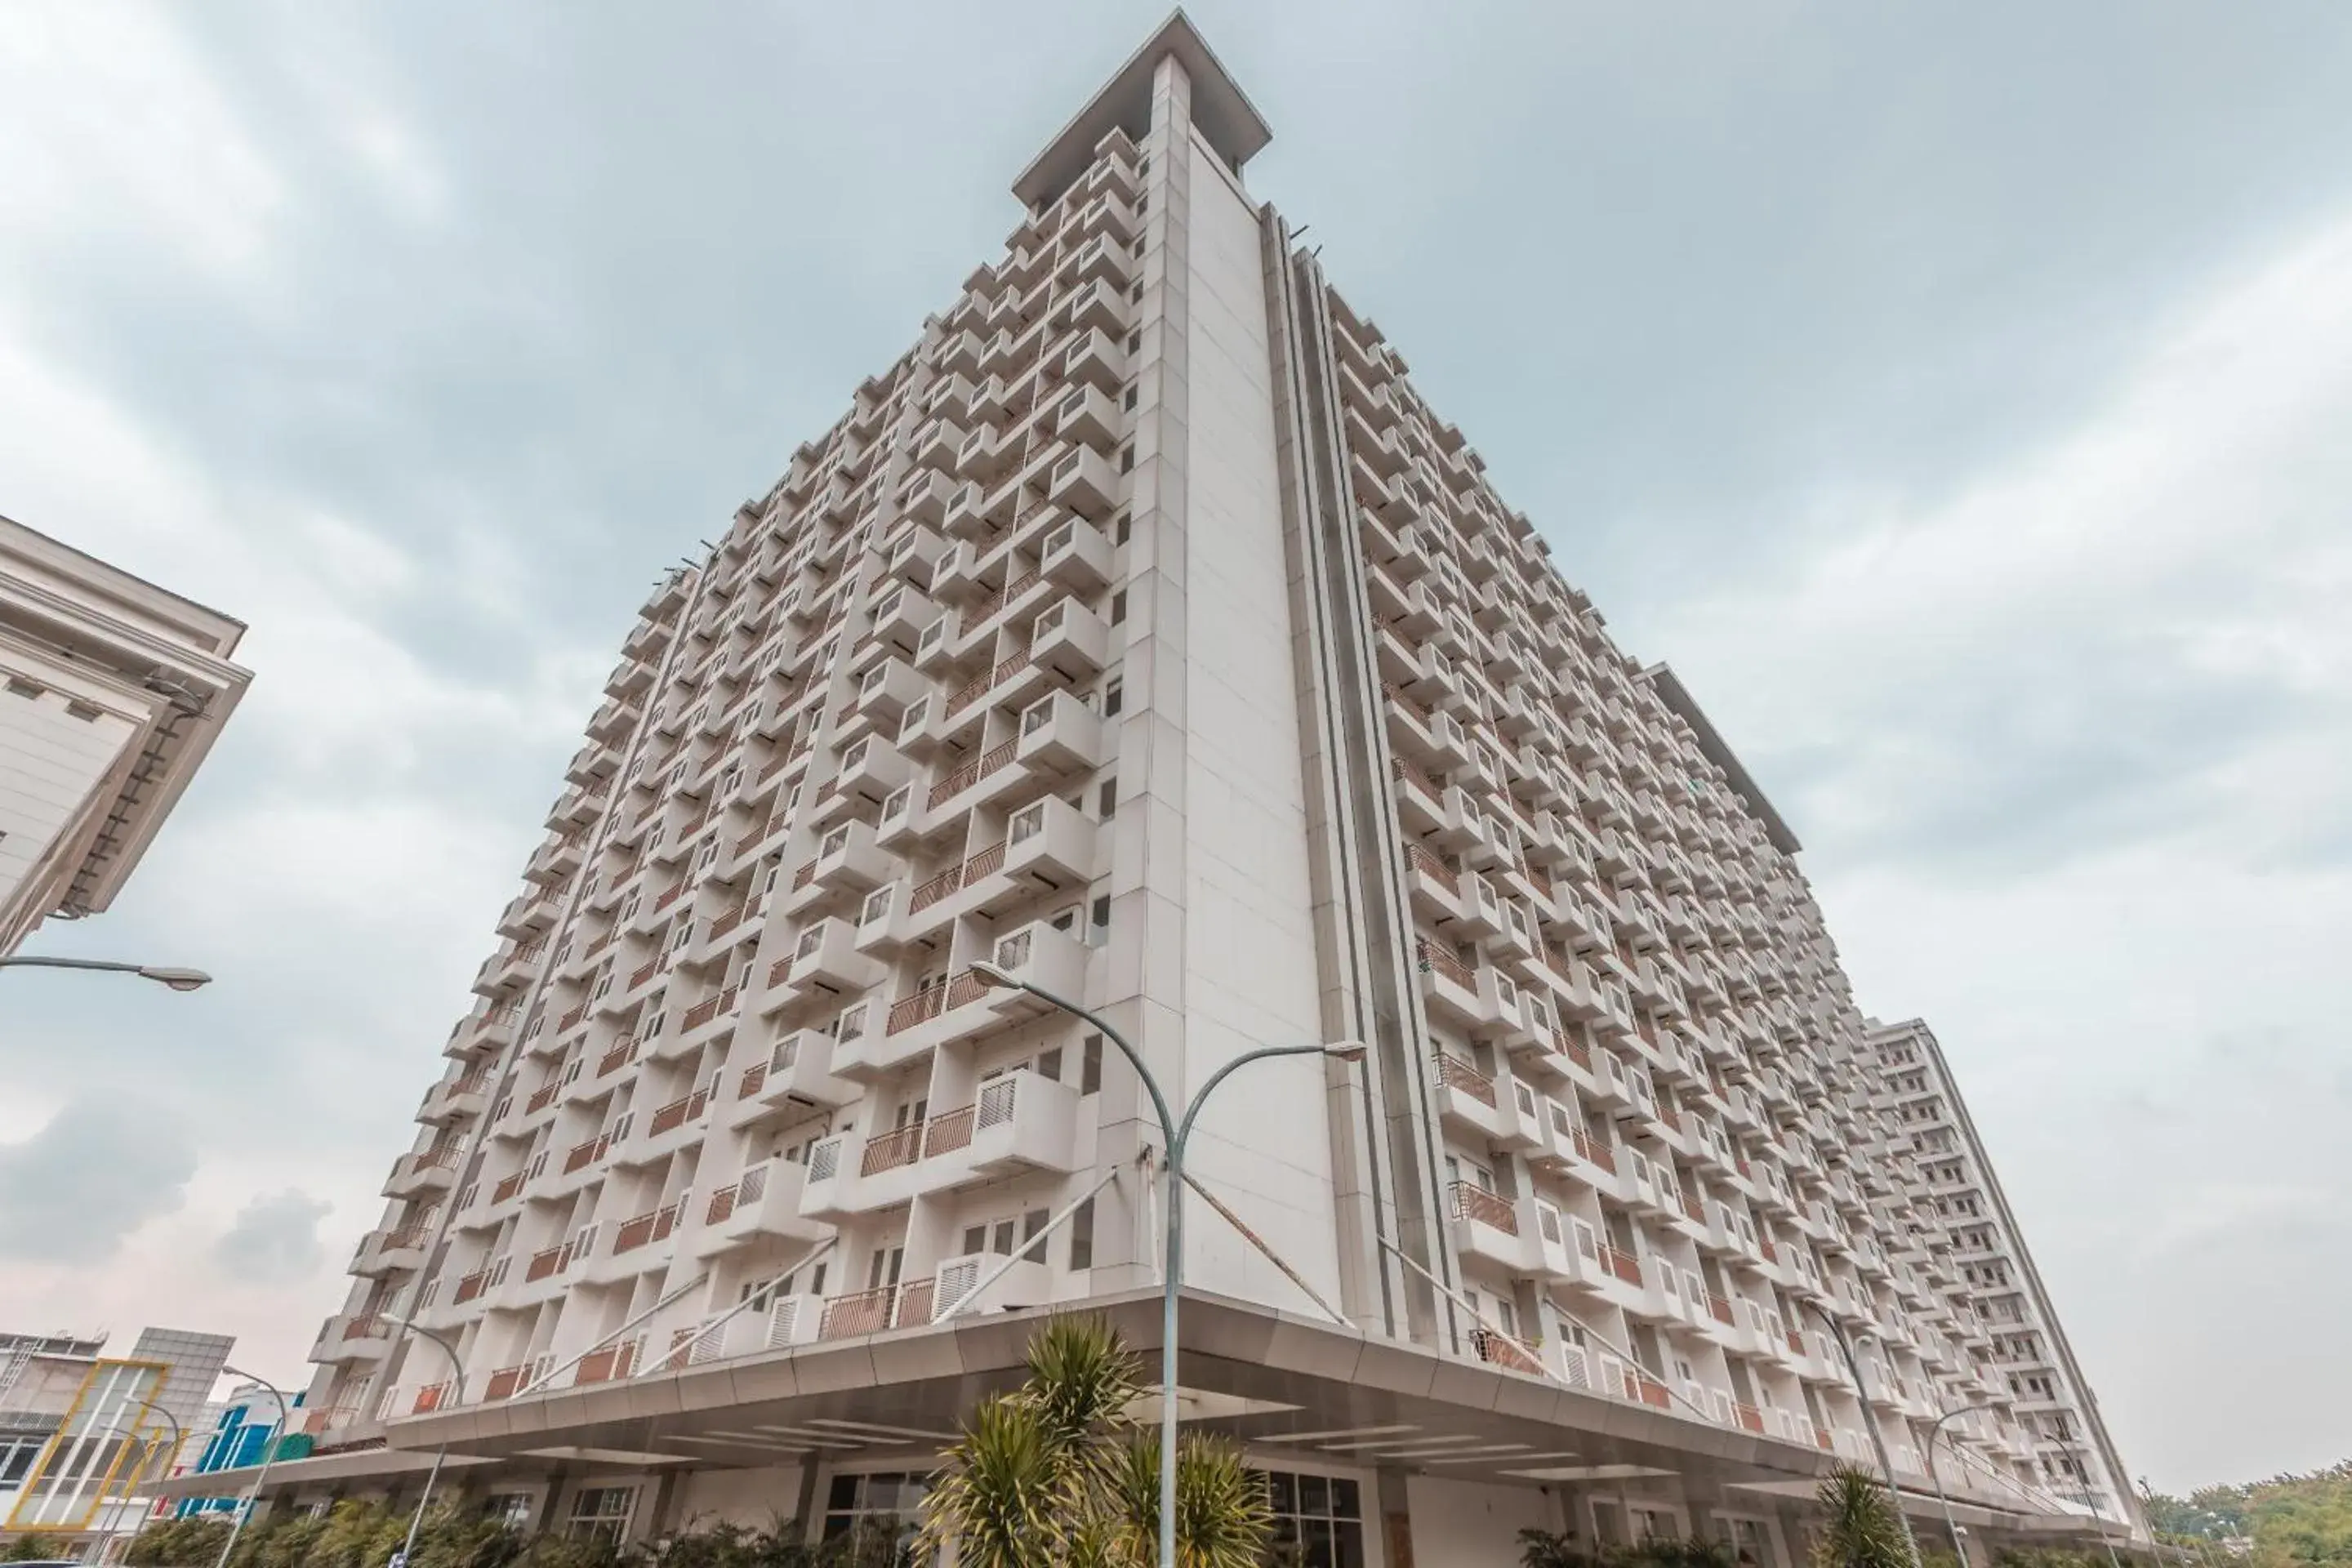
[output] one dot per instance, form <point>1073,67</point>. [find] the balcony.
<point>358,1337</point>
<point>456,1100</point>
<point>1049,843</point>
<point>797,1073</point>
<point>1020,1122</point>
<point>1084,481</point>
<point>762,1205</point>
<point>399,1250</point>
<point>904,1306</point>
<point>1486,1227</point>
<point>849,859</point>
<point>1028,1283</point>
<point>415,1175</point>
<point>824,962</point>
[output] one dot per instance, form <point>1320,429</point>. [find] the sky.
<point>1957,396</point>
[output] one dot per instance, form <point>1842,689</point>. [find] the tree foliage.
<point>1056,1473</point>
<point>2289,1519</point>
<point>1860,1525</point>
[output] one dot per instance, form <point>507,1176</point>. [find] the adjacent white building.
<point>1142,630</point>
<point>111,691</point>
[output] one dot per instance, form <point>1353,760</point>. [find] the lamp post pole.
<point>1935,1432</point>
<point>268,1456</point>
<point>441,1451</point>
<point>1870,1420</point>
<point>139,1471</point>
<point>177,979</point>
<point>1175,1132</point>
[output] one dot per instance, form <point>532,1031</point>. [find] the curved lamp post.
<point>179,1441</point>
<point>268,1457</point>
<point>1175,1132</point>
<point>1935,1432</point>
<point>1869,1419</point>
<point>457,1365</point>
<point>177,979</point>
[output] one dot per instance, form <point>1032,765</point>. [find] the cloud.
<point>101,1168</point>
<point>275,1240</point>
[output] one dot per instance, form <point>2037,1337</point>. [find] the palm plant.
<point>1860,1526</point>
<point>1056,1473</point>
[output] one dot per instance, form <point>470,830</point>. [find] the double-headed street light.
<point>457,1366</point>
<point>1174,1132</point>
<point>177,979</point>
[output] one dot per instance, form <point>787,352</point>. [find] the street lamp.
<point>177,979</point>
<point>137,1473</point>
<point>268,1456</point>
<point>1934,1431</point>
<point>1869,1419</point>
<point>1174,1132</point>
<point>457,1365</point>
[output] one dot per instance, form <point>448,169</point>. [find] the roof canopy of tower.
<point>1677,699</point>
<point>1221,110</point>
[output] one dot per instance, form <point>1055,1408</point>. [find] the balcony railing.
<point>678,1112</point>
<point>1497,1351</point>
<point>985,765</point>
<point>1623,1265</point>
<point>748,1189</point>
<point>1435,958</point>
<point>1456,1073</point>
<point>904,1306</point>
<point>645,1229</point>
<point>623,1052</point>
<point>891,1150</point>
<point>1472,1202</point>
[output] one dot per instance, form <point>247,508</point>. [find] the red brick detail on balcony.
<point>1436,958</point>
<point>571,1017</point>
<point>908,1011</point>
<point>1407,774</point>
<point>505,1382</point>
<point>508,1187</point>
<point>1721,1307</point>
<point>583,1156</point>
<point>1497,1351</point>
<point>891,1150</point>
<point>541,1097</point>
<point>971,772</point>
<point>645,972</point>
<point>1594,1153</point>
<point>805,876</point>
<point>1571,1048</point>
<point>1693,1209</point>
<point>547,1262</point>
<point>473,1284</point>
<point>930,892</point>
<point>645,1229</point>
<point>599,945</point>
<point>1420,857</point>
<point>1459,1075</point>
<point>1490,1209</point>
<point>622,1053</point>
<point>607,1366</point>
<point>914,1302</point>
<point>669,897</point>
<point>1623,1265</point>
<point>1747,1416</point>
<point>432,1397</point>
<point>755,1079</point>
<point>945,1134</point>
<point>1821,1439</point>
<point>1641,1385</point>
<point>678,1112</point>
<point>729,921</point>
<point>702,1012</point>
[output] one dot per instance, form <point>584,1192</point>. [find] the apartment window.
<point>601,1513</point>
<point>885,1501</point>
<point>1135,341</point>
<point>1128,400</point>
<point>1127,459</point>
<point>1082,1236</point>
<point>1120,529</point>
<point>1099,921</point>
<point>1049,1064</point>
<point>508,1510</point>
<point>1118,607</point>
<point>1114,697</point>
<point>1109,800</point>
<point>1090,1065</point>
<point>1320,1518</point>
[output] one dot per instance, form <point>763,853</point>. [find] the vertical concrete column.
<point>1145,995</point>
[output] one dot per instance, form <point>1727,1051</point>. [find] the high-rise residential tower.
<point>1141,631</point>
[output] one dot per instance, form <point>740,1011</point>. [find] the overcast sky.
<point>1960,395</point>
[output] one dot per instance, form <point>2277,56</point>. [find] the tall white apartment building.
<point>1961,1216</point>
<point>1142,631</point>
<point>111,691</point>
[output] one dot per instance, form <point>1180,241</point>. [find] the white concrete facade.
<point>1140,630</point>
<point>112,690</point>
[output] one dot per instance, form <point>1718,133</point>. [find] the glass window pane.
<point>1344,1501</point>
<point>1313,1495</point>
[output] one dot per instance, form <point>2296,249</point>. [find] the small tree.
<point>1860,1526</point>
